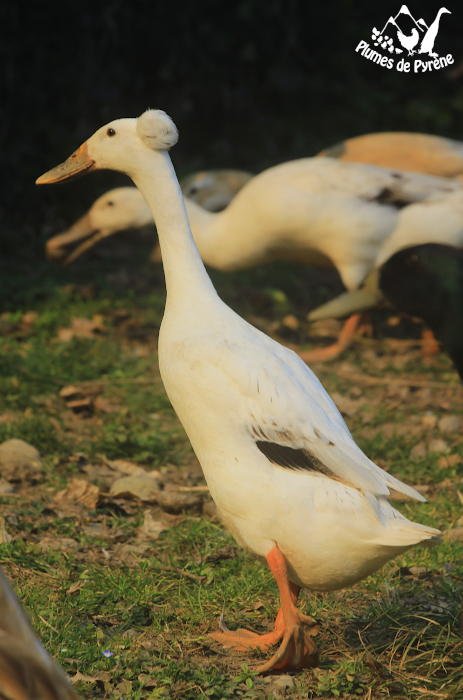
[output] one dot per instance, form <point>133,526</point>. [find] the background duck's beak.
<point>75,166</point>
<point>59,247</point>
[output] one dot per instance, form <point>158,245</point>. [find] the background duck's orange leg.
<point>345,338</point>
<point>430,345</point>
<point>297,650</point>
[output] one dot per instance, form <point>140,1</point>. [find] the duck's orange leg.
<point>430,345</point>
<point>297,650</point>
<point>345,338</point>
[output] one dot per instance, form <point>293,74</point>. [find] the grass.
<point>396,634</point>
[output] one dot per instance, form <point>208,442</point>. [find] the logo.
<point>402,34</point>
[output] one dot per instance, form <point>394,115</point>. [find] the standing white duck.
<point>287,478</point>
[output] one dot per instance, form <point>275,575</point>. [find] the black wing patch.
<point>388,196</point>
<point>291,458</point>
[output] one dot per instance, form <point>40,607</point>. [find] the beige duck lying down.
<point>287,478</point>
<point>27,672</point>
<point>417,153</point>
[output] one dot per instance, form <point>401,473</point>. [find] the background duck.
<point>418,153</point>
<point>124,208</point>
<point>320,211</point>
<point>287,478</point>
<point>427,281</point>
<point>27,671</point>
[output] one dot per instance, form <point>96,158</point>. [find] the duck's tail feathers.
<point>404,533</point>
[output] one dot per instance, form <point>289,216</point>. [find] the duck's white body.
<point>231,386</point>
<point>323,211</point>
<point>286,475</point>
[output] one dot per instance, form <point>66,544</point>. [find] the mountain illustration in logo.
<point>412,36</point>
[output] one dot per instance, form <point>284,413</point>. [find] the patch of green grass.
<point>395,633</point>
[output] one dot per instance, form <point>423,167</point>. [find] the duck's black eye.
<point>413,260</point>
<point>110,204</point>
<point>111,132</point>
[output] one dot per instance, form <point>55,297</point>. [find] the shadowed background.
<point>249,84</point>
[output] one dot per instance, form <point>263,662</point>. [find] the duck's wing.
<point>26,669</point>
<point>292,420</point>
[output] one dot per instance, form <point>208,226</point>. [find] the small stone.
<point>284,682</point>
<point>429,421</point>
<point>450,424</point>
<point>438,445</point>
<point>419,571</point>
<point>291,322</point>
<point>210,509</point>
<point>6,487</point>
<point>5,536</point>
<point>19,460</point>
<point>455,535</point>
<point>419,451</point>
<point>449,461</point>
<point>140,486</point>
<point>177,501</point>
<point>64,543</point>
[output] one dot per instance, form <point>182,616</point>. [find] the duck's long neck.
<point>186,276</point>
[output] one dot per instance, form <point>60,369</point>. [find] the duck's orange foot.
<point>242,639</point>
<point>296,651</point>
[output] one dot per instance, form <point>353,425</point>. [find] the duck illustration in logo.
<point>427,44</point>
<point>414,36</point>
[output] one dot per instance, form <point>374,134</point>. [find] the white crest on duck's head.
<point>157,130</point>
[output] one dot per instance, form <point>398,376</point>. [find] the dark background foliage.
<point>248,83</point>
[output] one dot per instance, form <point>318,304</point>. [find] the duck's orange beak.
<point>75,166</point>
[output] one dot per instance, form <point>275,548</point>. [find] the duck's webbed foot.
<point>297,650</point>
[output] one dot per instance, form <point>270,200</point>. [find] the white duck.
<point>27,671</point>
<point>124,208</point>
<point>325,212</point>
<point>287,477</point>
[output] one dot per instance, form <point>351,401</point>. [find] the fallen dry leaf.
<point>79,491</point>
<point>75,587</point>
<point>80,677</point>
<point>449,461</point>
<point>455,535</point>
<point>82,328</point>
<point>151,528</point>
<point>175,501</point>
<point>129,468</point>
<point>104,406</point>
